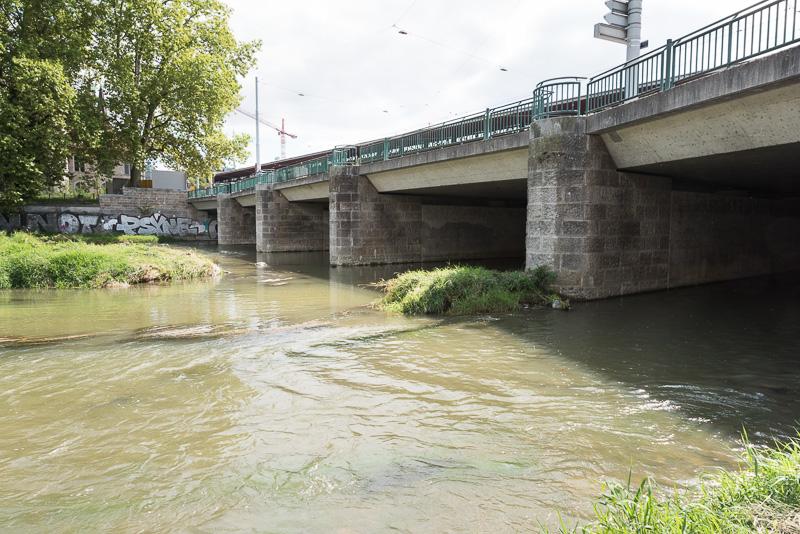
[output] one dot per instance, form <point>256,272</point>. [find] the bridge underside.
<point>737,171</point>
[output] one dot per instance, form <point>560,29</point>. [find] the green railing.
<point>300,170</point>
<point>767,26</point>
<point>493,122</point>
<point>557,97</point>
<point>760,29</point>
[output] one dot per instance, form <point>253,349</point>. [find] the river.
<point>277,400</point>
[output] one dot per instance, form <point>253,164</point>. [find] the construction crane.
<point>280,129</point>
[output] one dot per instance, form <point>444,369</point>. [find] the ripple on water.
<point>278,400</point>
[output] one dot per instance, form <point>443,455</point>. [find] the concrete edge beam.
<point>474,148</point>
<point>753,76</point>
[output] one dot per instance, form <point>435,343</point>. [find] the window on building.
<point>80,165</point>
<point>126,169</point>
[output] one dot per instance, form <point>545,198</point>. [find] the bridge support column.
<point>604,232</point>
<point>284,226</point>
<point>236,223</point>
<point>369,228</point>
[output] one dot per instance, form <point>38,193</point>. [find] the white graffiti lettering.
<point>70,223</point>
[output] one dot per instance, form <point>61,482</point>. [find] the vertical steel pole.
<point>258,138</point>
<point>634,29</point>
<point>634,46</point>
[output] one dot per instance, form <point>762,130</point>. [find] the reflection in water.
<point>276,399</point>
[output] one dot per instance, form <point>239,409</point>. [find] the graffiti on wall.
<point>78,223</point>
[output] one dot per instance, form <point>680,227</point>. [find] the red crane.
<point>280,129</point>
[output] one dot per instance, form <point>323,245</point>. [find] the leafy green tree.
<point>168,75</point>
<point>41,46</point>
<point>113,81</point>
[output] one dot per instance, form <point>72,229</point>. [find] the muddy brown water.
<point>276,400</point>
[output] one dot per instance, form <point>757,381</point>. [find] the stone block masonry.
<point>721,237</point>
<point>135,212</point>
<point>237,224</point>
<point>284,226</point>
<point>609,233</point>
<point>142,202</point>
<point>368,227</point>
<point>604,232</point>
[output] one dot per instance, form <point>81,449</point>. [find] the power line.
<point>401,17</point>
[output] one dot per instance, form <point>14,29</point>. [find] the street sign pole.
<point>258,134</point>
<point>634,29</point>
<point>624,25</point>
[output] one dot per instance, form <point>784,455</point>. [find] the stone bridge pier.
<point>285,226</point>
<point>368,227</point>
<point>237,223</point>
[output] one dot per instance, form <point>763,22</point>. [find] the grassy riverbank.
<point>465,290</point>
<point>74,261</point>
<point>762,497</point>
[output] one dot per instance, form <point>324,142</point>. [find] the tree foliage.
<point>168,71</point>
<point>37,62</point>
<point>115,81</point>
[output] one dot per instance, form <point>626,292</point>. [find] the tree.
<point>41,43</point>
<point>168,75</point>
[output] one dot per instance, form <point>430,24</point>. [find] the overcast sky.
<point>363,80</point>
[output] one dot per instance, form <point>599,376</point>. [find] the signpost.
<point>624,25</point>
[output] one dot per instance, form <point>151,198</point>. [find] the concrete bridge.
<point>678,168</point>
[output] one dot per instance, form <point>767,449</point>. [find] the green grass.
<point>762,496</point>
<point>465,290</point>
<point>93,261</point>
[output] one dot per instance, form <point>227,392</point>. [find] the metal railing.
<point>300,170</point>
<point>760,29</point>
<point>766,26</point>
<point>493,122</point>
<point>557,97</point>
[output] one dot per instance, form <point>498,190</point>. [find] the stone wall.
<point>452,232</point>
<point>283,226</point>
<point>237,224</point>
<point>604,232</point>
<point>136,212</point>
<point>136,201</point>
<point>716,237</point>
<point>609,233</point>
<point>368,227</point>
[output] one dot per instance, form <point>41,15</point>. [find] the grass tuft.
<point>761,497</point>
<point>464,290</point>
<point>75,261</point>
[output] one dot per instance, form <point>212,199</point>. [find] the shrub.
<point>464,290</point>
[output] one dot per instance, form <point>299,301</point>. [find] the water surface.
<point>277,400</point>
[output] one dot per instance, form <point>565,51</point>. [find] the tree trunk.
<point>136,176</point>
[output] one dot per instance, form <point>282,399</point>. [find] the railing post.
<point>730,43</point>
<point>486,125</point>
<point>385,149</point>
<point>669,56</point>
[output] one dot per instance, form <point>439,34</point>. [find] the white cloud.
<point>363,80</point>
